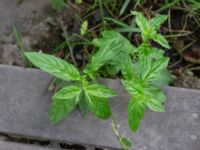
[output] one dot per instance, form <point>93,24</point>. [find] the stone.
<point>25,101</point>
<point>10,55</point>
<point>24,15</point>
<point>30,19</point>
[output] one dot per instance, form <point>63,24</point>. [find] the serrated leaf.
<point>67,92</point>
<point>148,53</point>
<point>155,105</point>
<point>157,21</point>
<point>141,21</point>
<point>164,78</point>
<point>136,110</point>
<point>116,49</point>
<point>58,5</point>
<point>121,62</point>
<point>146,91</point>
<point>155,92</point>
<point>98,105</point>
<point>83,106</point>
<point>84,27</point>
<point>100,58</point>
<point>151,70</point>
<point>127,67</point>
<point>161,40</point>
<point>134,87</point>
<point>60,109</point>
<point>100,91</point>
<point>108,35</point>
<point>54,66</point>
<point>64,101</point>
<point>144,94</point>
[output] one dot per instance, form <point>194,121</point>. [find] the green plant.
<point>142,69</point>
<point>58,5</point>
<point>20,45</point>
<point>143,86</point>
<point>83,93</point>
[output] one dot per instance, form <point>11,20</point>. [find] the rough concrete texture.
<point>16,146</point>
<point>24,103</point>
<point>30,18</point>
<point>23,15</point>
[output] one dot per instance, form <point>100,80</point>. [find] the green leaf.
<point>134,87</point>
<point>148,53</point>
<point>100,58</point>
<point>112,47</point>
<point>121,62</point>
<point>54,66</point>
<point>122,10</point>
<point>150,70</point>
<point>67,92</point>
<point>83,106</point>
<point>126,143</point>
<point>154,92</point>
<point>84,27</point>
<point>58,5</point>
<point>117,22</point>
<point>110,35</point>
<point>161,40</point>
<point>157,21</point>
<point>127,67</point>
<point>98,105</point>
<point>136,110</point>
<point>60,109</point>
<point>64,101</point>
<point>155,105</point>
<point>100,91</point>
<point>78,1</point>
<point>164,78</point>
<point>146,91</point>
<point>152,62</point>
<point>143,95</point>
<point>141,21</point>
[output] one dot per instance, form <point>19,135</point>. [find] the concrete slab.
<point>24,103</point>
<point>18,146</point>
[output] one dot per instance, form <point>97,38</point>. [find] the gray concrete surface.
<point>18,146</point>
<point>24,103</point>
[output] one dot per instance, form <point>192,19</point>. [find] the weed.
<point>143,69</point>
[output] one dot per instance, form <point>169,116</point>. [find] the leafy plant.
<point>58,5</point>
<point>81,92</point>
<point>142,69</point>
<point>143,86</point>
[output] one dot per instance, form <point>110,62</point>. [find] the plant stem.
<point>67,40</point>
<point>120,137</point>
<point>101,12</point>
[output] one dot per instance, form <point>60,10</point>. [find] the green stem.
<point>120,138</point>
<point>101,12</point>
